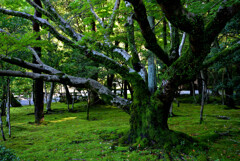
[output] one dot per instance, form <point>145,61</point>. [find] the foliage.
<point>6,154</point>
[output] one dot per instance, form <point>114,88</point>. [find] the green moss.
<point>69,136</point>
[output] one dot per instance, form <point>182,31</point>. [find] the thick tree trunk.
<point>149,116</point>
<point>38,83</point>
<point>50,97</point>
<point>38,101</point>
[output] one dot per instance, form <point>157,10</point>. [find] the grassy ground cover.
<point>69,136</point>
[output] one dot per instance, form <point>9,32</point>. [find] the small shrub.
<point>6,154</point>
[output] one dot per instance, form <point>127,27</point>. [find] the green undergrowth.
<point>69,136</point>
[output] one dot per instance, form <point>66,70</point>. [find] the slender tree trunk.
<point>229,89</point>
<point>30,99</point>
<point>68,95</point>
<point>122,88</point>
<point>50,97</point>
<point>73,99</point>
<point>110,78</point>
<point>88,105</point>
<point>130,89</point>
<point>152,77</point>
<point>214,89</point>
<point>193,92</point>
<point>203,96</point>
<point>200,89</point>
<point>46,96</point>
<point>1,124</point>
<point>223,93</point>
<point>38,83</point>
<point>125,89</point>
<point>8,107</point>
<point>171,110</point>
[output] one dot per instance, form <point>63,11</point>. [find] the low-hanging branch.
<point>88,83</point>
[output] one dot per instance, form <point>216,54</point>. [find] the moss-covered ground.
<point>69,136</point>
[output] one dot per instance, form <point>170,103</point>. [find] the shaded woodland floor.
<point>69,136</point>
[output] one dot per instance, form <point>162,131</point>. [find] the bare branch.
<point>95,14</point>
<point>40,9</point>
<point>123,53</point>
<point>35,55</point>
<point>182,43</point>
<point>21,63</point>
<point>112,18</point>
<point>61,21</point>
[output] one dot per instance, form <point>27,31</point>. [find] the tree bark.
<point>45,94</point>
<point>152,75</point>
<point>38,83</point>
<point>3,104</point>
